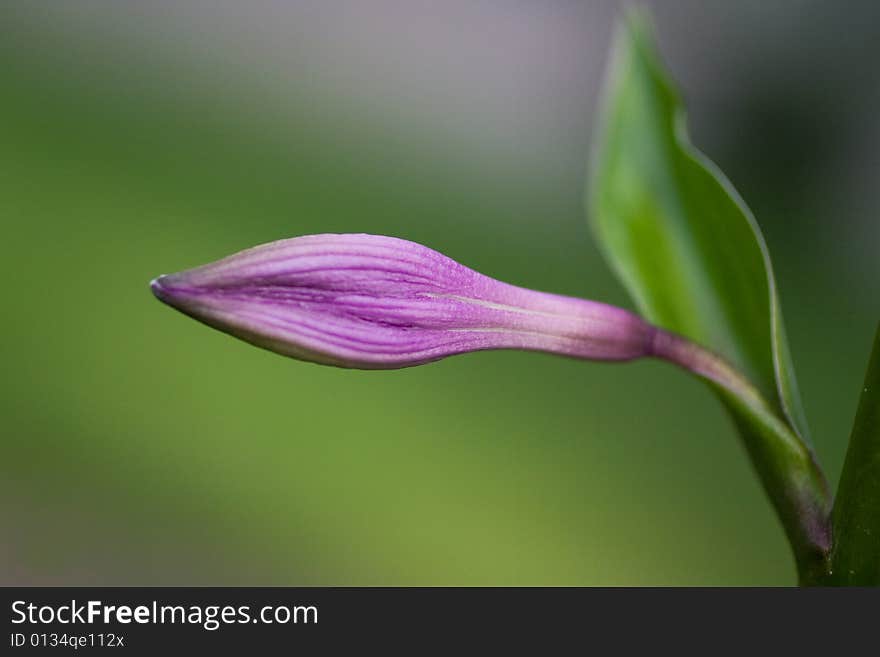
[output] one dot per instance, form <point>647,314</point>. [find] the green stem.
<point>786,466</point>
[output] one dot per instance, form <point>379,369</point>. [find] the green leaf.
<point>855,558</point>
<point>692,256</point>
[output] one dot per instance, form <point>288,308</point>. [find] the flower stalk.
<point>375,302</point>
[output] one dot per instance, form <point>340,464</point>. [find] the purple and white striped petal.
<point>373,302</point>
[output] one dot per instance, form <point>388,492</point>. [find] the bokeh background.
<point>139,447</point>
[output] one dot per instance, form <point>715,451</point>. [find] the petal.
<point>377,302</point>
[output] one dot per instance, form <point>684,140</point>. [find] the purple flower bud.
<point>373,302</point>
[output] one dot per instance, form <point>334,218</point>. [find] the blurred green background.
<point>139,447</point>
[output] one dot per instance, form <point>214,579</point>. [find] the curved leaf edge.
<point>637,29</point>
<point>782,453</point>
